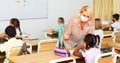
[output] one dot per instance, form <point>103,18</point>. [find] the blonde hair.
<point>88,10</point>
<point>98,23</point>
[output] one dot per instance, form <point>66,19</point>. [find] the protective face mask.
<point>84,19</point>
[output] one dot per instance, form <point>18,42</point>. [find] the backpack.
<point>23,50</point>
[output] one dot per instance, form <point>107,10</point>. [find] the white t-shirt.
<point>90,55</point>
<point>99,32</point>
<point>9,43</point>
<point>116,26</point>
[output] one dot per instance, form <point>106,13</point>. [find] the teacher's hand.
<point>65,37</point>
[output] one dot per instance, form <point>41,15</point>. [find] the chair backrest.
<point>105,42</point>
<point>110,56</point>
<point>63,59</point>
<point>108,32</point>
<point>46,45</point>
<point>15,49</point>
<point>106,58</point>
<point>117,37</point>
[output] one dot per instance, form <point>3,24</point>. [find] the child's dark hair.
<point>116,16</point>
<point>98,23</point>
<point>16,23</point>
<point>91,40</point>
<point>61,19</point>
<point>10,31</point>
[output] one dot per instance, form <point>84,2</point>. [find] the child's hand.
<point>110,22</point>
<point>83,46</point>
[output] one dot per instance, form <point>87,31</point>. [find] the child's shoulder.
<point>93,50</point>
<point>62,25</point>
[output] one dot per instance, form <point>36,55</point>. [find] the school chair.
<point>110,57</point>
<point>15,49</point>
<point>117,37</point>
<point>46,45</point>
<point>62,60</point>
<point>108,32</point>
<point>107,42</point>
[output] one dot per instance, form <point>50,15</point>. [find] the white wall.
<point>56,8</point>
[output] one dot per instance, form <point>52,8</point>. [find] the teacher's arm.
<point>67,31</point>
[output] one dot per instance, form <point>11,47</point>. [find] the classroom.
<point>60,31</point>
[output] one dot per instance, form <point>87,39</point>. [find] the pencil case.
<point>62,52</point>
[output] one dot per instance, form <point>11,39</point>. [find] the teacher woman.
<point>78,27</point>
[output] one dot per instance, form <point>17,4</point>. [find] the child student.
<point>88,49</point>
<point>10,32</point>
<point>59,30</point>
<point>115,24</point>
<point>15,23</point>
<point>98,28</point>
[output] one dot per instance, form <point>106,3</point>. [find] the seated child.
<point>98,28</point>
<point>116,24</point>
<point>10,32</point>
<point>88,49</point>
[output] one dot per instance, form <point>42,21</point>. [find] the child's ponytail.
<point>97,40</point>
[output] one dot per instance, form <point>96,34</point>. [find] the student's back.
<point>88,49</point>
<point>98,28</point>
<point>10,32</point>
<point>90,55</point>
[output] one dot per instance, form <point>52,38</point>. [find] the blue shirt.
<point>59,30</point>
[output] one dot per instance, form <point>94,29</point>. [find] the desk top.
<point>42,57</point>
<point>106,60</point>
<point>49,31</point>
<point>107,33</point>
<point>46,30</point>
<point>109,43</point>
<point>32,42</point>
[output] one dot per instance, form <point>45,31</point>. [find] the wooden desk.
<point>107,45</point>
<point>117,37</point>
<point>107,33</point>
<point>52,34</point>
<point>106,60</point>
<point>107,42</point>
<point>32,42</point>
<point>43,57</point>
<point>48,31</point>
